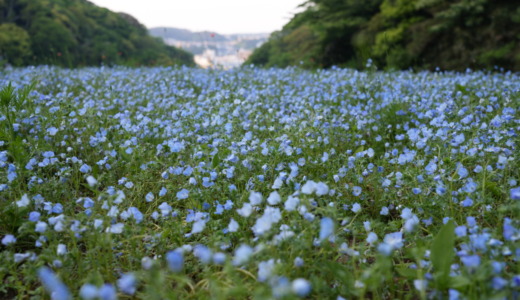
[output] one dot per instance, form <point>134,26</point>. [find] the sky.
<point>221,16</point>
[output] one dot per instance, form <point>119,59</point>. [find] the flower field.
<point>163,183</point>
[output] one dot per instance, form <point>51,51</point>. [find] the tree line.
<point>73,33</point>
<point>398,34</point>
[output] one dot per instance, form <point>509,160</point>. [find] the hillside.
<point>197,42</point>
<point>184,34</point>
<point>398,34</point>
<point>74,33</point>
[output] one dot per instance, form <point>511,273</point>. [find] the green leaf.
<point>460,282</point>
<point>442,254</point>
<point>359,149</point>
<point>216,161</point>
<point>406,272</point>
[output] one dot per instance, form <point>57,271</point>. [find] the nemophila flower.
<point>440,189</point>
<point>298,262</point>
<point>198,226</point>
<point>165,209</point>
<point>391,242</point>
<point>367,225</point>
<point>406,213</point>
<point>183,194</point>
<point>462,172</point>
<point>127,284</point>
<point>34,216</point>
<point>265,269</point>
<point>107,292</point>
<point>88,291</point>
<point>149,197</point>
<point>321,189</point>
<point>233,226</point>
<point>356,207</point>
<point>516,281</point>
<point>91,181</point>
<point>272,215</point>
<point>497,266</point>
<point>498,283</point>
<point>301,287</point>
<point>242,255</point>
<point>309,187</point>
<point>274,198</point>
<point>246,210</point>
<point>175,260</point>
<point>326,228</point>
<point>255,198</point>
<point>461,231</point>
<point>85,168</point>
<point>219,258</point>
<point>162,192</point>
<point>40,227</point>
<point>411,224</point>
<point>515,193</point>
<point>278,182</point>
<point>420,284</point>
<point>371,238</point>
<point>470,261</point>
<point>147,263</point>
<point>416,191</point>
<point>62,249</point>
<point>56,288</point>
<point>115,228</point>
<point>291,203</point>
<point>8,239</point>
<point>52,131</point>
<point>356,191</point>
<point>24,201</point>
<point>467,202</point>
<point>384,211</point>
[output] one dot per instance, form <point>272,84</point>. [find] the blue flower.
<point>203,253</point>
<point>127,283</point>
<point>85,168</point>
<point>356,191</point>
<point>175,260</point>
<point>56,288</point>
<point>471,261</point>
<point>515,193</point>
<point>8,239</point>
<point>326,228</point>
<point>182,194</point>
<point>242,255</point>
<point>498,283</point>
<point>88,292</point>
<point>107,292</point>
<point>301,287</point>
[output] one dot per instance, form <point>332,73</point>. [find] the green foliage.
<point>443,254</point>
<point>14,44</point>
<point>401,34</point>
<point>77,33</point>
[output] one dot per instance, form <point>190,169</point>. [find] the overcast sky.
<point>222,16</point>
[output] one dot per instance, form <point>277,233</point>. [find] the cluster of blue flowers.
<point>190,173</point>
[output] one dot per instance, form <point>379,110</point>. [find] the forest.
<point>72,33</point>
<point>398,34</point>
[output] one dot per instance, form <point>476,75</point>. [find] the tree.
<point>15,46</point>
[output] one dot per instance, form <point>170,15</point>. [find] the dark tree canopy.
<point>74,33</point>
<point>398,34</point>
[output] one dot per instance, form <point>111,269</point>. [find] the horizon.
<point>223,17</point>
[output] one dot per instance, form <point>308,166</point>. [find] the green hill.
<point>398,34</point>
<point>74,33</point>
